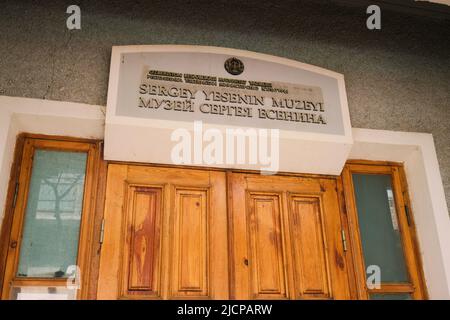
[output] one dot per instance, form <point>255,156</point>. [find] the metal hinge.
<point>344,240</point>
<point>102,231</point>
<point>16,192</point>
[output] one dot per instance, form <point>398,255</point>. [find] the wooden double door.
<point>175,233</point>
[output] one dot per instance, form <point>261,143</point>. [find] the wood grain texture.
<point>177,233</point>
<point>111,253</point>
<point>141,261</point>
<point>85,245</point>
<point>98,210</point>
<point>9,208</point>
<point>297,223</point>
<point>308,246</point>
<point>190,276</point>
<point>174,224</point>
<point>416,284</point>
<point>266,252</point>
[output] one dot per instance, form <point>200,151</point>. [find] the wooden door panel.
<point>143,248</point>
<point>310,266</point>
<point>267,256</point>
<point>297,222</point>
<point>190,243</point>
<point>165,234</point>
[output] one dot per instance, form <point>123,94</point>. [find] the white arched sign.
<point>156,90</point>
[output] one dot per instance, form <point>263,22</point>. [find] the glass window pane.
<point>379,229</point>
<point>390,296</point>
<point>53,214</point>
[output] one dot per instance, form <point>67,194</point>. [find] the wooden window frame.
<point>89,246</point>
<point>416,287</point>
<point>15,209</point>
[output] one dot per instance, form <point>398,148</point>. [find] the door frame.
<point>17,194</point>
<point>346,250</point>
<point>410,245</point>
<point>98,207</point>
